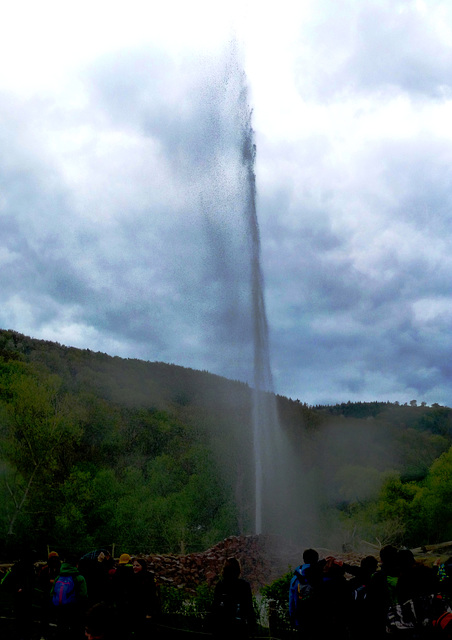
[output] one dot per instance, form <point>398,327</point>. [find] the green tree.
<point>39,434</point>
<point>432,512</point>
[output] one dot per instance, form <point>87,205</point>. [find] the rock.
<point>256,555</point>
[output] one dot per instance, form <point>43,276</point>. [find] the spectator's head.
<point>310,556</point>
<point>104,555</point>
<point>139,565</point>
<point>231,569</point>
<point>406,559</point>
<point>53,559</point>
<point>369,564</point>
<point>389,556</point>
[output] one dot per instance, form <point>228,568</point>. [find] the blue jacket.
<point>301,576</point>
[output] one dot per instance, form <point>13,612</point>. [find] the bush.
<point>177,601</point>
<point>278,591</point>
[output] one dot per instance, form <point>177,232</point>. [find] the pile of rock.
<point>257,555</point>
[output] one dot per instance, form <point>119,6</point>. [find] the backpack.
<point>301,597</point>
<point>64,591</point>
<point>230,611</point>
<point>305,593</point>
<point>443,624</point>
<point>401,618</point>
<point>419,615</point>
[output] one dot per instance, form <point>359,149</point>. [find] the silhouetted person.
<point>95,568</point>
<point>418,585</point>
<point>359,602</point>
<point>21,582</point>
<point>416,580</point>
<point>233,612</point>
<point>304,592</point>
<point>45,581</point>
<point>382,591</point>
<point>333,602</point>
<point>121,594</point>
<point>143,602</point>
<point>363,573</point>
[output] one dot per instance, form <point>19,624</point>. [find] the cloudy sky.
<point>122,190</point>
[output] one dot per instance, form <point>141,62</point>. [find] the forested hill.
<point>151,456</point>
<point>127,382</point>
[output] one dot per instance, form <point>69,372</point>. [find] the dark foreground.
<point>155,631</point>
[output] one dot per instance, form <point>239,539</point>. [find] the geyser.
<point>271,452</point>
<point>228,300</point>
<point>264,416</point>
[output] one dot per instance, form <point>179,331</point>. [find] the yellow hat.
<point>124,558</point>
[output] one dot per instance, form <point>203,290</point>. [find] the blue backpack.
<point>301,596</point>
<point>64,591</point>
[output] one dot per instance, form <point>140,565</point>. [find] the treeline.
<point>154,457</point>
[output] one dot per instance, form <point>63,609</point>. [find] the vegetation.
<point>277,593</point>
<point>156,458</point>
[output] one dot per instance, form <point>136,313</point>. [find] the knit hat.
<point>124,558</point>
<point>53,554</point>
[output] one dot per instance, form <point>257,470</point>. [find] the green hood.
<point>67,569</point>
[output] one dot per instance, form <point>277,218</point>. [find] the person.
<point>121,593</point>
<point>69,598</point>
<point>49,571</point>
<point>418,590</point>
<point>303,594</point>
<point>333,602</point>
<point>362,574</point>
<point>382,590</point>
<point>232,608</point>
<point>95,567</point>
<point>143,602</point>
<point>121,577</point>
<point>45,581</point>
<point>359,606</point>
<point>416,580</point>
<point>21,583</point>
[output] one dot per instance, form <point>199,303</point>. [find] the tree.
<point>431,508</point>
<point>39,433</point>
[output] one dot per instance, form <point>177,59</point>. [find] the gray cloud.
<point>122,212</point>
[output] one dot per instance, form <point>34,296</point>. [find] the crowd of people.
<point>97,598</point>
<point>396,596</point>
<point>91,597</point>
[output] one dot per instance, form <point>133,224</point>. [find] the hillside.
<point>98,450</point>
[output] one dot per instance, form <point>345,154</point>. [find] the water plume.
<point>264,418</point>
<point>268,484</point>
<point>268,438</point>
